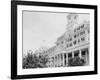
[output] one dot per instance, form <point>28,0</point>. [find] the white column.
<point>63,60</point>
<point>60,62</point>
<point>66,59</point>
<point>80,54</point>
<point>60,59</point>
<point>72,54</point>
<point>86,57</point>
<point>54,61</point>
<point>57,61</point>
<point>50,61</point>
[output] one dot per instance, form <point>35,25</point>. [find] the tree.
<point>33,61</point>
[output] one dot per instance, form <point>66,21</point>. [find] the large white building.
<point>73,43</point>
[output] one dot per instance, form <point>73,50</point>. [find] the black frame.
<point>14,39</point>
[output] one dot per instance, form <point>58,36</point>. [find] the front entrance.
<point>85,55</point>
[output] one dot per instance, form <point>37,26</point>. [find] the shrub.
<point>33,61</point>
<point>76,61</point>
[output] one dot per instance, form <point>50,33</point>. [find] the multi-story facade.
<point>74,42</point>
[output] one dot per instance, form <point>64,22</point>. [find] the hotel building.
<point>73,43</point>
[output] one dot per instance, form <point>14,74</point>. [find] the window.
<point>76,53</point>
<point>83,39</point>
<point>74,36</point>
<point>83,53</point>
<point>70,39</point>
<point>74,42</point>
<point>80,33</point>
<point>78,40</point>
<point>70,44</point>
<point>69,55</point>
<point>78,28</point>
<point>67,45</point>
<point>83,32</point>
<point>77,35</point>
<point>65,55</point>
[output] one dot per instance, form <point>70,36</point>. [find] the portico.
<point>61,59</point>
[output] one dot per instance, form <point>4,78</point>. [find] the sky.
<point>41,29</point>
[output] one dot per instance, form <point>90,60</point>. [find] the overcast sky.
<point>43,28</point>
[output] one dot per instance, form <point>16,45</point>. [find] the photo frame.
<point>53,39</point>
